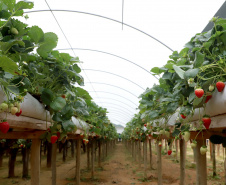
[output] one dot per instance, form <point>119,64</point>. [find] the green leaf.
<point>191,73</point>
<point>171,107</point>
<point>197,102</point>
<point>199,59</point>
<point>68,126</point>
<point>191,97</point>
<point>179,71</point>
<point>157,70</point>
<point>76,68</point>
<point>47,96</point>
<point>83,93</point>
<point>58,104</point>
<point>176,132</point>
<point>36,34</point>
<point>169,65</point>
<point>10,4</point>
<point>24,5</point>
<point>167,75</point>
<point>50,42</point>
<point>184,52</point>
<point>8,65</point>
<point>153,114</point>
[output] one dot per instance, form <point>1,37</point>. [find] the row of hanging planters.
<point>191,87</point>
<point>31,71</point>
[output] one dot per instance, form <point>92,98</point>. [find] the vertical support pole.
<point>53,158</point>
<point>132,149</point>
<point>139,153</point>
<point>99,153</point>
<point>214,160</point>
<point>145,158</point>
<point>211,150</point>
<point>88,155</point>
<point>92,159</point>
<point>150,152</point>
<point>176,143</point>
<point>159,163</point>
<point>35,161</point>
<point>106,148</point>
<point>224,165</point>
<point>78,155</point>
<point>135,150</point>
<point>166,146</point>
<point>182,161</point>
<point>72,148</point>
<point>201,170</point>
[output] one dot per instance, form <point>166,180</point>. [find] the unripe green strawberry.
<point>193,144</point>
<point>58,126</point>
<point>186,136</point>
<point>14,31</point>
<point>203,150</point>
<point>14,110</point>
<point>4,106</point>
<point>211,88</point>
<point>167,133</point>
<point>162,132</point>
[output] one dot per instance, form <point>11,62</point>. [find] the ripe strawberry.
<point>63,96</point>
<point>58,135</point>
<point>186,136</point>
<point>14,110</point>
<point>220,86</point>
<point>4,127</point>
<point>81,135</point>
<point>169,152</point>
<point>183,116</point>
<point>211,88</point>
<point>203,150</point>
<point>206,121</point>
<point>87,141</point>
<point>19,113</point>
<point>160,143</point>
<point>199,92</point>
<point>193,144</point>
<point>145,125</point>
<point>208,97</point>
<point>54,139</point>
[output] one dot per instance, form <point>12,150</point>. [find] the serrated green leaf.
<point>8,65</point>
<point>199,59</point>
<point>191,97</point>
<point>179,71</point>
<point>47,96</point>
<point>76,68</point>
<point>36,34</point>
<point>197,102</point>
<point>58,104</point>
<point>68,126</point>
<point>24,5</point>
<point>191,73</point>
<point>10,4</point>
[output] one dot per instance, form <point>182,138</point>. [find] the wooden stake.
<point>182,161</point>
<point>176,143</point>
<point>35,161</point>
<point>99,154</point>
<point>92,159</point>
<point>135,150</point>
<point>139,153</point>
<point>78,155</point>
<point>53,161</point>
<point>214,160</point>
<point>201,170</point>
<point>88,156</point>
<point>150,149</point>
<point>159,163</point>
<point>145,158</point>
<point>225,166</point>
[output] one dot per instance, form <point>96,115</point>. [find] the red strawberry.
<point>183,116</point>
<point>208,98</point>
<point>4,127</point>
<point>53,139</point>
<point>220,86</point>
<point>206,121</point>
<point>199,92</point>
<point>58,135</point>
<point>19,113</point>
<point>63,96</point>
<point>169,152</point>
<point>145,125</point>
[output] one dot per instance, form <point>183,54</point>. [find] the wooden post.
<point>150,152</point>
<point>214,160</point>
<point>176,143</point>
<point>135,150</point>
<point>145,158</point>
<point>211,150</point>
<point>166,146</point>
<point>201,170</point>
<point>159,163</point>
<point>64,151</point>
<point>12,161</point>
<point>225,166</point>
<point>99,153</point>
<point>92,159</point>
<point>78,155</point>
<point>182,161</point>
<point>106,148</point>
<point>132,149</point>
<point>139,154</point>
<point>49,155</point>
<point>35,161</point>
<point>72,148</point>
<point>25,159</point>
<point>53,161</point>
<point>88,155</point>
<point>218,150</point>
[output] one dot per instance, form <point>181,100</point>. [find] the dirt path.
<point>118,168</point>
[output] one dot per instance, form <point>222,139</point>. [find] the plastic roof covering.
<point>172,22</point>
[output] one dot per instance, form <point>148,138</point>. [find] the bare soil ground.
<point>117,168</point>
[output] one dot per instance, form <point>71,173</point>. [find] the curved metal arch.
<point>114,100</point>
<point>119,113</point>
<point>116,105</point>
<point>123,119</point>
<point>113,86</point>
<point>96,70</point>
<point>115,95</point>
<point>101,16</point>
<point>119,121</point>
<point>122,110</point>
<point>111,55</point>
